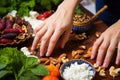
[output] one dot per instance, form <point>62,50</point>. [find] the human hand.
<point>106,44</point>
<point>55,28</point>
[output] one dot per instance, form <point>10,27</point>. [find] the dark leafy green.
<point>24,6</point>
<point>14,65</point>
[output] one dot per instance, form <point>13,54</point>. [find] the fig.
<point>1,26</point>
<point>4,41</point>
<point>9,35</point>
<point>11,30</point>
<point>9,23</point>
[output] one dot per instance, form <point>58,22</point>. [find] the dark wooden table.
<point>97,26</point>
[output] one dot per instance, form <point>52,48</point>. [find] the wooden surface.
<point>97,26</point>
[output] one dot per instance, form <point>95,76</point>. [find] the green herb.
<point>14,65</point>
<point>78,10</point>
<point>24,6</point>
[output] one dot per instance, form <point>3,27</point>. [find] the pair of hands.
<point>57,28</point>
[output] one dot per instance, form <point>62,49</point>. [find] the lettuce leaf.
<point>15,65</point>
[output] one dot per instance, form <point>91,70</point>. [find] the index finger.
<point>56,35</point>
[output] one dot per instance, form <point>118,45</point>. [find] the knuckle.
<point>37,35</point>
<point>96,43</point>
<point>111,49</point>
<point>119,50</point>
<point>53,41</point>
<point>102,47</point>
<point>44,39</point>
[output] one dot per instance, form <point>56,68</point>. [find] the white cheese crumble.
<point>26,51</point>
<point>78,72</point>
<point>13,13</point>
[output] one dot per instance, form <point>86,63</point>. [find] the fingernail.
<point>41,54</point>
<point>98,63</point>
<point>92,57</point>
<point>105,65</point>
<point>32,48</point>
<point>47,54</point>
<point>117,62</point>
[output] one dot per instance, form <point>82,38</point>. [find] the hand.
<point>56,27</point>
<point>106,44</point>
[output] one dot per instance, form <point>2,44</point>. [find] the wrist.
<point>69,5</point>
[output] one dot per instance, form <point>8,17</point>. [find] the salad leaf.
<point>14,65</point>
<point>30,62</point>
<point>28,75</point>
<point>3,73</point>
<point>40,70</point>
<point>2,66</point>
<point>46,3</point>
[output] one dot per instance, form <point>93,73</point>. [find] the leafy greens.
<point>24,6</point>
<point>14,65</point>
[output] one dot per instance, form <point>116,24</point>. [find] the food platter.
<point>14,30</point>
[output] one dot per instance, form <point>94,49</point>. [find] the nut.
<point>24,28</point>
<point>64,59</point>
<point>102,73</point>
<point>114,72</point>
<point>47,62</point>
<point>53,61</point>
<point>88,54</point>
<point>83,47</point>
<point>74,53</point>
<point>95,65</point>
<point>98,34</point>
<point>100,69</point>
<point>77,56</point>
<point>97,68</point>
<point>81,36</point>
<point>42,60</point>
<point>60,57</point>
<point>77,52</point>
<point>58,65</point>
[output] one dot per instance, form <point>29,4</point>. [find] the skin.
<point>104,47</point>
<point>57,28</point>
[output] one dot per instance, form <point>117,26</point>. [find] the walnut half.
<point>114,72</point>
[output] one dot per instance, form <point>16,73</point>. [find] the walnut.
<point>114,72</point>
<point>88,54</point>
<point>83,47</point>
<point>100,70</point>
<point>76,54</point>
<point>102,73</point>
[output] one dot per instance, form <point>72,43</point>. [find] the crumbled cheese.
<point>78,72</point>
<point>13,13</point>
<point>27,52</point>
